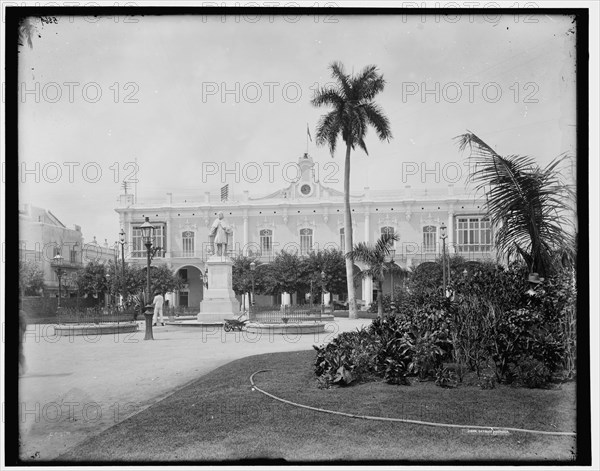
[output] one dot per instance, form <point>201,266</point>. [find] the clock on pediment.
<point>306,189</point>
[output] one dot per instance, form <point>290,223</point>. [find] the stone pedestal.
<point>219,301</point>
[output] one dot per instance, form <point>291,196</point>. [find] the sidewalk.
<point>78,386</point>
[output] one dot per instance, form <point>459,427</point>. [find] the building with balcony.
<point>302,217</point>
<point>42,236</point>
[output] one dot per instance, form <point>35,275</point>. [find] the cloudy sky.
<point>190,96</point>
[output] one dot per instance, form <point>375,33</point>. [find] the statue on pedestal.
<point>219,234</point>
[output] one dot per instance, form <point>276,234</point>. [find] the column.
<point>168,235</point>
<point>367,224</point>
<point>245,235</point>
<point>367,290</point>
<point>451,245</point>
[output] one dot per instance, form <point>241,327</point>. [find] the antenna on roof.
<point>125,186</point>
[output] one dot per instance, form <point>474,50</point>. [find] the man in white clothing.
<point>158,308</point>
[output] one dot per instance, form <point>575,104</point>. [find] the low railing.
<point>285,314</point>
<point>95,315</point>
<point>180,311</point>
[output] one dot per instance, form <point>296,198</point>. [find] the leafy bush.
<point>532,373</point>
<point>446,378</point>
<point>492,322</point>
<point>520,337</point>
<point>347,358</point>
<point>487,382</point>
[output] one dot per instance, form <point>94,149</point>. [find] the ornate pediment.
<point>188,226</point>
<point>388,221</point>
<point>265,224</point>
<point>306,222</point>
<point>429,220</point>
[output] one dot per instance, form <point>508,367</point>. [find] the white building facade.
<point>306,216</point>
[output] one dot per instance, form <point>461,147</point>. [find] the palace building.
<point>302,217</point>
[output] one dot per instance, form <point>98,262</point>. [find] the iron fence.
<point>285,314</point>
<point>95,315</point>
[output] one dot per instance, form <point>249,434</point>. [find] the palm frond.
<point>367,84</point>
<point>373,255</point>
<point>327,96</point>
<point>378,120</point>
<point>328,130</point>
<point>338,73</point>
<point>527,204</point>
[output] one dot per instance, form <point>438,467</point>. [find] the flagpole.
<point>308,136</point>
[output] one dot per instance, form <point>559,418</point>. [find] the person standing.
<point>158,308</point>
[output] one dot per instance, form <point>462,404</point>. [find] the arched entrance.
<point>193,291</point>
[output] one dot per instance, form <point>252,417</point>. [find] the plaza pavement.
<point>78,386</point>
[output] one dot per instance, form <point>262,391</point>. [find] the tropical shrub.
<point>346,359</point>
<point>446,378</point>
<point>494,326</point>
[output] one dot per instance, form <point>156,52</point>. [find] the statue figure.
<point>219,234</point>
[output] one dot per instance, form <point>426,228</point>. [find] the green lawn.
<point>219,417</point>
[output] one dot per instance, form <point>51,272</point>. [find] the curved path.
<point>79,386</point>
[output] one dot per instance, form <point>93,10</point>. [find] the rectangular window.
<point>306,241</point>
<point>187,241</point>
<point>160,240</point>
<point>266,242</point>
<point>429,238</point>
<point>474,234</point>
<point>342,240</point>
<point>183,274</point>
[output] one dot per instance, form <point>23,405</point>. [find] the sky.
<point>175,101</point>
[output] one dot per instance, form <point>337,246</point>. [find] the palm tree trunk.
<point>380,299</point>
<point>353,312</point>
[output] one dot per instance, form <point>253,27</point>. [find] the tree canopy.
<point>31,278</point>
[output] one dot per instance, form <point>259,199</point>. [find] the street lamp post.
<point>322,292</point>
<point>122,242</point>
<point>148,236</point>
<point>58,262</point>
<point>107,294</point>
<point>252,269</point>
<point>443,236</point>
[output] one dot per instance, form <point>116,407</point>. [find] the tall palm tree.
<point>528,205</point>
<point>353,111</point>
<point>374,257</point>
